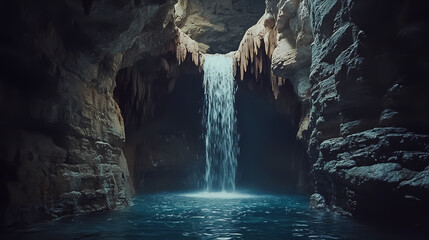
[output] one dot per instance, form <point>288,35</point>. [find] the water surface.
<point>204,216</point>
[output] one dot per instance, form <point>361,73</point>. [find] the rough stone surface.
<point>367,142</point>
<point>218,25</point>
<point>317,201</point>
<point>292,56</point>
<point>359,70</point>
<point>61,130</point>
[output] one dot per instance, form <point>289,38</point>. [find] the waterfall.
<point>221,137</point>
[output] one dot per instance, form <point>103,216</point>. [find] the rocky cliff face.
<point>62,132</point>
<point>368,141</point>
<point>365,108</point>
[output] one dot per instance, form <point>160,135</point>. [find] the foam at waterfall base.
<point>219,195</point>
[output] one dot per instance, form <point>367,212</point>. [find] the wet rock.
<point>317,201</point>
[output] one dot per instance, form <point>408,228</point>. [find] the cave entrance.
<point>165,143</point>
<point>163,129</point>
<point>271,158</point>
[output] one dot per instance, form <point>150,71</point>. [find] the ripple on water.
<point>208,216</point>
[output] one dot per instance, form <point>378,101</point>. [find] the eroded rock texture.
<point>368,122</point>
<point>62,132</point>
<point>359,69</point>
<point>278,46</point>
<point>218,25</point>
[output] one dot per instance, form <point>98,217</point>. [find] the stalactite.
<point>254,53</point>
<point>274,85</point>
<point>134,94</point>
<point>186,45</point>
<point>250,53</point>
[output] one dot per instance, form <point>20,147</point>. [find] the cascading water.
<point>220,123</point>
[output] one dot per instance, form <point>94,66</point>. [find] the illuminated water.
<point>220,123</point>
<point>219,195</point>
<point>196,216</point>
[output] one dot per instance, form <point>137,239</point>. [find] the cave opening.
<point>165,149</point>
<point>271,158</point>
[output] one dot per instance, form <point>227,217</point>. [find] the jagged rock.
<point>365,139</point>
<point>317,201</point>
<point>256,47</point>
<point>186,46</point>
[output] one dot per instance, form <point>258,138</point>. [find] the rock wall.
<point>62,132</point>
<point>368,126</point>
<point>365,109</point>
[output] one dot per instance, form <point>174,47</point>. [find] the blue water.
<point>179,216</point>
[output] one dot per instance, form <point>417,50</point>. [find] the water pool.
<point>215,216</point>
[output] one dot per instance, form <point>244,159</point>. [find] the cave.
<point>229,119</point>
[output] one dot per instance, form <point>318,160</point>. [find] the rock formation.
<point>367,142</point>
<point>367,147</point>
<point>257,46</point>
<point>185,46</point>
<point>62,132</point>
<point>218,25</point>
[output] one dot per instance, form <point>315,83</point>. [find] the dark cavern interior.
<point>214,119</point>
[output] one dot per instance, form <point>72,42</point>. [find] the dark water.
<point>178,216</point>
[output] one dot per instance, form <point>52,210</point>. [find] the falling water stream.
<point>220,123</point>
